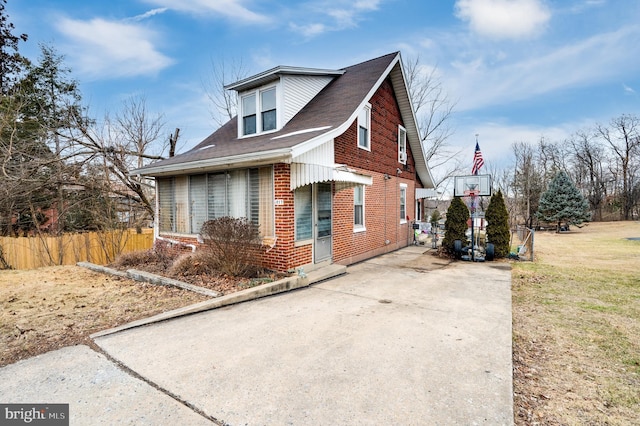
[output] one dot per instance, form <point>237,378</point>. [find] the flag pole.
<point>473,209</point>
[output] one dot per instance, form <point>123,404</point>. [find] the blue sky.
<point>518,70</point>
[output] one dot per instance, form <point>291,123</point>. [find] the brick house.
<point>328,163</point>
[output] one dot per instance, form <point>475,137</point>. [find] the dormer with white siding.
<point>267,101</point>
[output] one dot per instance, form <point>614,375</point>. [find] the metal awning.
<point>304,174</point>
<point>425,193</point>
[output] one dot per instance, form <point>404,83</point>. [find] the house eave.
<point>274,73</point>
<point>215,164</point>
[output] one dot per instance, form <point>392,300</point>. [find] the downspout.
<point>386,178</point>
<point>156,216</point>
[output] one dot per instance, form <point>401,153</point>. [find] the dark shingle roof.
<point>331,108</point>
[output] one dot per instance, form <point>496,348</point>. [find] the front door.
<point>322,215</point>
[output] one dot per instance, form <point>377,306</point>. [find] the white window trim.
<point>257,93</point>
<point>403,187</point>
<point>363,227</point>
<point>401,154</point>
<point>366,108</point>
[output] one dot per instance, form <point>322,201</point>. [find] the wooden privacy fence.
<point>96,247</point>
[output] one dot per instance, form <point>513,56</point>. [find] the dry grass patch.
<point>576,325</point>
<point>52,307</point>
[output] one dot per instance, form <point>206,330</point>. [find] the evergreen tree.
<point>11,61</point>
<point>456,224</point>
<point>563,202</point>
<point>498,232</point>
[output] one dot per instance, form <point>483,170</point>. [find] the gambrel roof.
<point>326,116</point>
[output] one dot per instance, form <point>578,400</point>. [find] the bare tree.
<point>527,182</point>
<point>119,145</point>
<point>552,158</point>
<point>223,101</point>
<point>140,130</point>
<point>589,173</point>
<point>433,109</point>
<point>623,138</point>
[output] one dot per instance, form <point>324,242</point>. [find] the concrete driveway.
<point>404,338</point>
<point>390,342</point>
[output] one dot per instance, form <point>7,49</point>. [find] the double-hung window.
<point>249,114</point>
<point>403,203</point>
<point>259,111</point>
<point>402,145</point>
<point>268,109</point>
<point>358,208</point>
<point>364,127</point>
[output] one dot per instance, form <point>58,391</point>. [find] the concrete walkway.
<point>390,342</point>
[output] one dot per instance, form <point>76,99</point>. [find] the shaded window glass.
<point>268,109</point>
<point>249,115</point>
<point>303,212</point>
<point>358,205</point>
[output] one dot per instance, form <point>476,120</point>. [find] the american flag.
<point>478,162</point>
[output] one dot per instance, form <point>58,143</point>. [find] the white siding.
<point>322,155</point>
<point>298,91</point>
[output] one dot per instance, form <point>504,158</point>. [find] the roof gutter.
<point>235,161</point>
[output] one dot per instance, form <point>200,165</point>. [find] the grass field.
<point>576,328</point>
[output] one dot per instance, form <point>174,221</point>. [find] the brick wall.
<point>285,255</point>
<point>383,157</point>
<point>383,230</point>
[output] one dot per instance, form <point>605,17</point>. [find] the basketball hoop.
<point>470,193</point>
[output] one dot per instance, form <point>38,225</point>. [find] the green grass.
<point>581,297</point>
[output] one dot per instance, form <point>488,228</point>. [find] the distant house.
<point>327,162</point>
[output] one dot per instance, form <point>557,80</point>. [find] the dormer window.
<point>264,101</point>
<point>249,114</point>
<point>268,109</point>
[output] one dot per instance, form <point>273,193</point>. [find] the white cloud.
<point>233,9</point>
<point>584,5</point>
<point>598,58</point>
<point>628,89</point>
<point>334,16</point>
<point>501,19</point>
<point>309,30</point>
<point>100,48</point>
<point>148,14</point>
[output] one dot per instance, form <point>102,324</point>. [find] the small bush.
<point>164,253</point>
<point>134,258</point>
<point>231,243</point>
<point>161,255</point>
<point>198,263</point>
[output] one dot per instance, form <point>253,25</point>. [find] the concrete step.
<point>325,273</point>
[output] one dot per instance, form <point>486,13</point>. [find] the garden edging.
<point>150,278</point>
<point>268,289</point>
